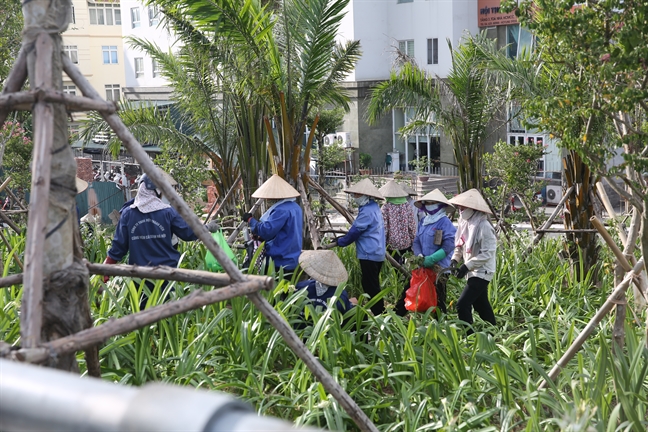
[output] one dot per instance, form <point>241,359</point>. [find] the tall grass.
<point>413,374</point>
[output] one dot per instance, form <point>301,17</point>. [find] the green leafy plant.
<point>365,160</point>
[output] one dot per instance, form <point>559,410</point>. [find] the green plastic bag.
<point>210,262</point>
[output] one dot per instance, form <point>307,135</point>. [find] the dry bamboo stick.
<point>32,316</point>
<point>310,219</point>
<point>24,101</point>
<point>200,277</point>
<point>136,150</point>
<point>227,195</point>
<point>322,375</point>
<point>5,183</point>
<point>591,325</point>
<point>526,209</point>
<point>547,223</point>
<point>15,80</point>
<point>8,212</point>
<point>15,255</point>
<point>239,227</point>
<point>97,335</point>
<point>564,231</point>
<point>611,212</point>
<point>7,281</point>
<point>610,242</point>
<point>9,222</point>
<point>13,197</point>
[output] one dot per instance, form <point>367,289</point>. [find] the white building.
<point>143,79</point>
<point>419,28</point>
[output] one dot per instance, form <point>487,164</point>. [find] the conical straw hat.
<point>408,189</point>
<point>275,188</point>
<point>324,266</point>
<point>471,199</point>
<point>81,185</point>
<point>436,195</point>
<point>365,187</point>
<point>392,190</point>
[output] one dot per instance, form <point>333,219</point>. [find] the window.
<point>109,54</point>
<point>135,17</point>
<point>154,15</point>
<point>433,51</point>
<point>69,89</point>
<point>104,13</point>
<point>518,39</point>
<point>72,15</point>
<point>139,67</point>
<point>72,52</point>
<point>156,68</point>
<point>404,1</point>
<point>406,47</point>
<point>112,92</point>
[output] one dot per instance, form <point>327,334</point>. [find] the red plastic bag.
<point>421,294</point>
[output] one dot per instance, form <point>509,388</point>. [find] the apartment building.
<point>93,41</point>
<point>421,29</point>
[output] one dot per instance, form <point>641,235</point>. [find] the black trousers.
<point>151,286</point>
<point>371,283</point>
<point>475,295</point>
<point>399,253</point>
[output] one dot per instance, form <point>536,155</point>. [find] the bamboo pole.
<point>310,219</point>
<point>13,197</point>
<point>96,335</point>
<point>610,242</point>
<point>23,101</point>
<point>547,223</point>
<point>322,375</point>
<point>135,149</point>
<point>5,183</point>
<point>31,316</point>
<point>611,212</point>
<point>227,195</point>
<point>9,222</point>
<point>7,281</point>
<point>526,209</point>
<point>239,227</point>
<point>15,80</point>
<point>564,231</point>
<point>591,325</point>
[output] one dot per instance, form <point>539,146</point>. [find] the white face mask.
<point>466,213</point>
<point>431,207</point>
<point>362,200</point>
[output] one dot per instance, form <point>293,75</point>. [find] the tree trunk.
<point>65,306</point>
<point>582,247</point>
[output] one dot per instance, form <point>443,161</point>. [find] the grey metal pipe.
<point>34,398</point>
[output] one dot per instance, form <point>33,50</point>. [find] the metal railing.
<point>36,398</point>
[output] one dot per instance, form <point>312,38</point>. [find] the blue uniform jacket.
<point>343,304</point>
<point>368,232</point>
<point>281,228</point>
<point>147,236</point>
<point>424,241</point>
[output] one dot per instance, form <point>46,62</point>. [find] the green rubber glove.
<point>437,256</point>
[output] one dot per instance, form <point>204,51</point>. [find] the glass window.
<point>104,13</point>
<point>512,36</point>
<point>72,52</point>
<point>433,51</point>
<point>112,92</point>
<point>72,16</point>
<point>69,89</point>
<point>117,16</point>
<point>404,1</point>
<point>156,68</point>
<point>154,15</point>
<point>135,17</point>
<point>109,54</point>
<point>406,47</point>
<point>139,67</point>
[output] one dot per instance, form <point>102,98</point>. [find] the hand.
<point>429,261</point>
<point>330,245</point>
<point>461,271</point>
<point>108,260</point>
<point>213,226</point>
<point>247,217</point>
<point>453,263</point>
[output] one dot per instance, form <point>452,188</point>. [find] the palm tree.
<point>463,106</point>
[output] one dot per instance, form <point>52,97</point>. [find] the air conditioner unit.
<point>330,139</point>
<point>345,139</point>
<point>554,194</point>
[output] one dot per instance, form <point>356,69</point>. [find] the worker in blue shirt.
<point>281,226</point>
<point>368,233</point>
<point>145,232</point>
<point>326,273</point>
<point>435,241</point>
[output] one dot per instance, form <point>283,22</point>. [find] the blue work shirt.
<point>343,304</point>
<point>368,233</point>
<point>281,228</point>
<point>147,236</point>
<point>424,241</point>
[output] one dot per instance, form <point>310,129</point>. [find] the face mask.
<point>362,200</point>
<point>432,207</point>
<point>466,213</point>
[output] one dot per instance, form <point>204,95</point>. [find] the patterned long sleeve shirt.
<point>400,225</point>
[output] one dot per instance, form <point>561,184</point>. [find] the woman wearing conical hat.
<point>400,224</point>
<point>368,233</point>
<point>326,273</point>
<point>281,225</point>
<point>476,246</point>
<point>435,240</point>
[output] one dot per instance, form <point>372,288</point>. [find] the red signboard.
<point>490,16</point>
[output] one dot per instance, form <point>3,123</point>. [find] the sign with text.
<point>490,16</point>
